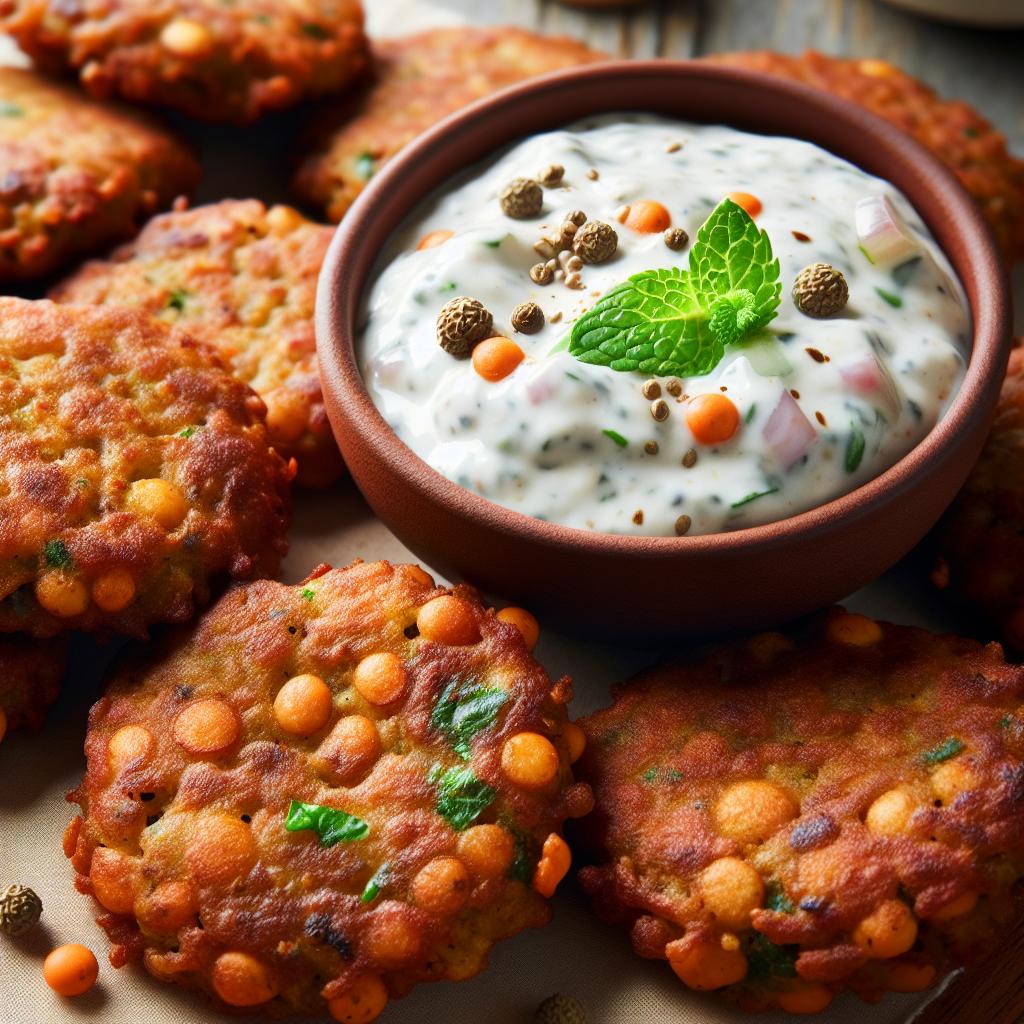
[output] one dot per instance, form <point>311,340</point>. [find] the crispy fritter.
<point>981,538</point>
<point>213,60</point>
<point>135,472</point>
<point>30,675</point>
<point>955,132</point>
<point>76,176</point>
<point>790,817</point>
<point>419,80</point>
<point>242,278</point>
<point>414,715</point>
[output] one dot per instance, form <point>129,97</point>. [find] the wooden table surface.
<point>984,67</point>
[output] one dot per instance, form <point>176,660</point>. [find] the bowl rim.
<point>347,270</point>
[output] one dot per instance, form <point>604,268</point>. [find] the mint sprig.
<point>678,322</point>
<point>330,824</point>
<point>464,709</point>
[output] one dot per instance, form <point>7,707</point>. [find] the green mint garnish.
<point>366,165</point>
<point>616,437</point>
<point>1006,721</point>
<point>187,432</point>
<point>461,796</point>
<point>894,300</point>
<point>678,322</point>
<point>751,412</point>
<point>315,31</point>
<point>944,751</point>
<point>767,960</point>
<point>753,496</point>
<point>307,594</point>
<point>177,300</point>
<point>331,825</point>
<point>377,882</point>
<point>464,709</point>
<point>854,449</point>
<point>776,899</point>
<point>11,110</point>
<point>56,554</point>
<point>525,856</point>
<point>495,243</point>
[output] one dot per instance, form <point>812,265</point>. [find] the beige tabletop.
<point>576,954</point>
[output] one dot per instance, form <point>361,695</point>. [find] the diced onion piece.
<point>882,233</point>
<point>869,378</point>
<point>788,433</point>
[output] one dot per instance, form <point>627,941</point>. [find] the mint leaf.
<point>854,449</point>
<point>615,436</point>
<point>753,496</point>
<point>461,796</point>
<point>464,709</point>
<point>775,898</point>
<point>677,322</point>
<point>331,825</point>
<point>377,882</point>
<point>177,300</point>
<point>767,960</point>
<point>307,594</point>
<point>944,751</point>
<point>56,554</point>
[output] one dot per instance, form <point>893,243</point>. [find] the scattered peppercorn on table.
<point>576,955</point>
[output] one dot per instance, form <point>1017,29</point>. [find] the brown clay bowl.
<point>621,586</point>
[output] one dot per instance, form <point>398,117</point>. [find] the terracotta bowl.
<point>665,586</point>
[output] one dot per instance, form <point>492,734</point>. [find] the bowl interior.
<point>687,90</point>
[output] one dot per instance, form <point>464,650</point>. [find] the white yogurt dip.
<point>823,405</point>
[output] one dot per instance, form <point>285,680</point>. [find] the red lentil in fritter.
<point>355,784</point>
<point>135,472</point>
<point>788,817</point>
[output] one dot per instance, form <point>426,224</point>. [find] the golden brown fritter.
<point>242,278</point>
<point>30,675</point>
<point>355,784</point>
<point>790,817</point>
<point>955,132</point>
<point>981,539</point>
<point>419,80</point>
<point>75,175</point>
<point>213,60</point>
<point>135,472</point>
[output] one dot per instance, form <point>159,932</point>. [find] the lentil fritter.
<point>77,175</point>
<point>956,133</point>
<point>30,675</point>
<point>213,60</point>
<point>135,472</point>
<point>419,80</point>
<point>981,539</point>
<point>242,278</point>
<point>328,792</point>
<point>789,817</point>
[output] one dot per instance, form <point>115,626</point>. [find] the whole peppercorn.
<point>552,175</point>
<point>559,1009</point>
<point>461,324</point>
<point>527,318</point>
<point>595,242</point>
<point>522,198</point>
<point>820,290</point>
<point>676,239</point>
<point>20,909</point>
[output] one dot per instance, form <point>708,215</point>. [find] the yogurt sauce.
<point>570,442</point>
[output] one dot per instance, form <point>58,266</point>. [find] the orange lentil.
<point>529,760</point>
<point>432,239</point>
<point>380,678</point>
<point>71,970</point>
<point>207,727</point>
<point>303,705</point>
<point>553,866</point>
<point>712,418</point>
<point>495,358</point>
<point>746,202</point>
<point>524,622</point>
<point>448,620</point>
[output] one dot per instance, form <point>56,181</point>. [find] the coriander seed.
<point>20,910</point>
<point>592,174</point>
<point>578,217</point>
<point>690,459</point>
<point>559,1009</point>
<point>682,525</point>
<point>676,239</point>
<point>595,242</point>
<point>522,198</point>
<point>551,175</point>
<point>674,388</point>
<point>820,290</point>
<point>638,517</point>
<point>659,410</point>
<point>651,389</point>
<point>651,447</point>
<point>462,323</point>
<point>541,273</point>
<point>527,318</point>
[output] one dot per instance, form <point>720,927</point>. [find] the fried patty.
<point>795,815</point>
<point>955,132</point>
<point>981,539</point>
<point>419,80</point>
<point>213,60</point>
<point>76,176</point>
<point>242,278</point>
<point>30,675</point>
<point>329,791</point>
<point>135,472</point>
